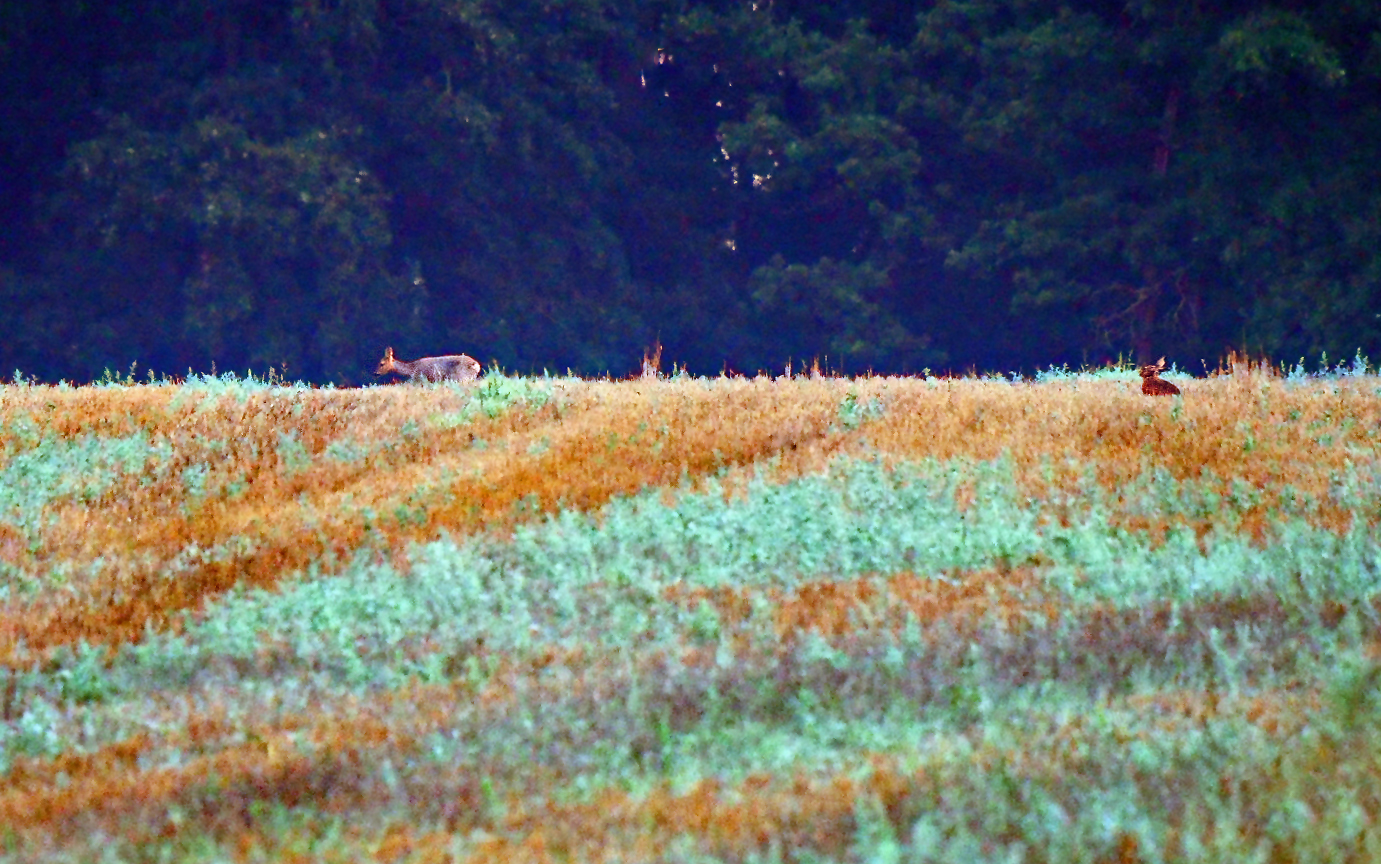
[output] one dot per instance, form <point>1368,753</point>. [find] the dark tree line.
<point>992,184</point>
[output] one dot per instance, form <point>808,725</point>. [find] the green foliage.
<point>33,733</point>
<point>41,470</point>
<point>557,185</point>
<point>859,519</point>
<point>80,675</point>
<point>852,414</point>
<point>497,393</point>
<point>1301,562</point>
<point>1274,42</point>
<point>1137,190</point>
<point>293,456</point>
<point>600,647</point>
<point>511,224</point>
<point>1353,697</point>
<point>260,209</point>
<point>828,307</point>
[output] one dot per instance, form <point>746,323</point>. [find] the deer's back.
<point>1153,386</point>
<point>451,367</point>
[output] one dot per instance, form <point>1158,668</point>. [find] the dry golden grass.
<point>318,758</point>
<point>831,608</point>
<point>594,441</point>
<point>110,792</point>
<point>424,473</point>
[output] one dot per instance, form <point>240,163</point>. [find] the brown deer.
<point>1153,385</point>
<point>451,367</point>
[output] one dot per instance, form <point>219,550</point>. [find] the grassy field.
<point>549,619</point>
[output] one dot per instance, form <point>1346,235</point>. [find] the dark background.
<point>554,184</point>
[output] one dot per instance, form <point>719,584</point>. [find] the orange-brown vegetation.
<point>420,470</point>
<point>832,608</point>
<point>319,759</point>
<point>815,810</point>
<point>596,440</point>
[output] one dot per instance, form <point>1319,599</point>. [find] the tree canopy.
<point>991,184</point>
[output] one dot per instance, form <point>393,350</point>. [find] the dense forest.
<point>885,185</point>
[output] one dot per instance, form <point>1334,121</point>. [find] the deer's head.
<point>386,364</point>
